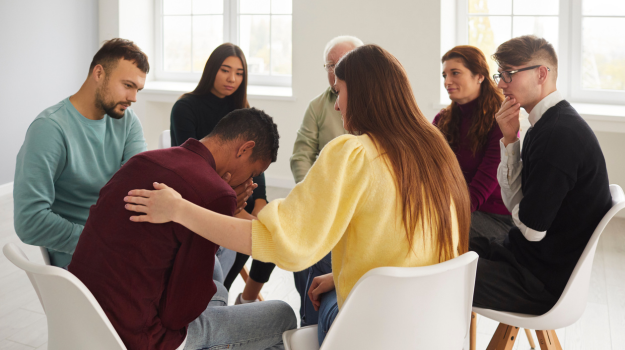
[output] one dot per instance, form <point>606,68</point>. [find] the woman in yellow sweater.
<point>389,194</point>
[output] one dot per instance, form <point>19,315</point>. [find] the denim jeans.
<point>248,326</point>
<point>303,279</point>
<point>224,259</point>
<point>328,310</point>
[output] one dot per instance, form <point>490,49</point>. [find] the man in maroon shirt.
<point>155,282</point>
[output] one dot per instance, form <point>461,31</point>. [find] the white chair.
<point>75,319</point>
<point>401,308</point>
<point>164,141</point>
<point>569,307</point>
<point>46,255</point>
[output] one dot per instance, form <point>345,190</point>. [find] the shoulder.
<point>186,102</point>
<point>51,119</point>
<point>563,136</point>
<point>190,168</point>
<point>322,100</point>
<point>350,146</point>
<point>53,115</point>
<point>564,125</point>
<point>438,116</point>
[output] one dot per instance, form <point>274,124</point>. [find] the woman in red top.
<point>469,126</point>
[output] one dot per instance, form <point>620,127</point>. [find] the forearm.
<point>509,175</point>
<point>530,234</point>
<point>226,231</point>
<point>259,204</point>
<point>47,229</point>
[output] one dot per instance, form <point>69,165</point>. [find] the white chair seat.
<point>304,338</point>
<point>546,321</point>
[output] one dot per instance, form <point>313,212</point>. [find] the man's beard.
<point>107,105</point>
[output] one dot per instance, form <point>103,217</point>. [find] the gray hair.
<point>340,40</point>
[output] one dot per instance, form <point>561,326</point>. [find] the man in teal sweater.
<point>73,148</point>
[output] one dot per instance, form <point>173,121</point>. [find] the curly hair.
<point>488,103</point>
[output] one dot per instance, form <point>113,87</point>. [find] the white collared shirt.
<point>509,170</point>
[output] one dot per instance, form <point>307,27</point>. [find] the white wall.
<point>408,29</point>
<point>45,50</point>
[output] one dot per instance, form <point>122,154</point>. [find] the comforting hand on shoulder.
<point>159,206</point>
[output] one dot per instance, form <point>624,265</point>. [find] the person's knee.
<point>220,298</point>
<point>283,312</point>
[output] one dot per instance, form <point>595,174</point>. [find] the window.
<point>187,31</point>
<point>587,35</point>
<point>599,51</point>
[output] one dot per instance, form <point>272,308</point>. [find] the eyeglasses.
<point>329,67</point>
<point>506,76</point>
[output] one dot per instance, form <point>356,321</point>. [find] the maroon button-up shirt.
<point>152,280</point>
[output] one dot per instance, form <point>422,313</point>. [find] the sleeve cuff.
<point>510,154</point>
<point>263,246</point>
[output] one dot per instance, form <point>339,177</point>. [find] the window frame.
<point>569,52</point>
<point>231,34</point>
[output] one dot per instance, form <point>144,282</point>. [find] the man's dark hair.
<point>250,124</point>
<point>519,51</point>
<point>115,49</point>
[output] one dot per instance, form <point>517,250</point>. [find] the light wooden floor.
<point>23,323</point>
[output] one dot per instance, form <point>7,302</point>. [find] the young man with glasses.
<point>557,189</point>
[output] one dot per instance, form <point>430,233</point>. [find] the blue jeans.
<point>248,326</point>
<point>224,259</point>
<point>328,310</point>
<point>303,280</point>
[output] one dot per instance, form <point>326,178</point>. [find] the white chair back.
<point>572,303</point>
<point>164,140</point>
<point>75,319</point>
<point>408,308</point>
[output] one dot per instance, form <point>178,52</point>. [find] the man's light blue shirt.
<point>64,162</point>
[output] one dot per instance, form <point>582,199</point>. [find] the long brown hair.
<point>427,174</point>
<point>488,102</point>
<point>214,62</point>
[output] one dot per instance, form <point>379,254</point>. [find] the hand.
<point>508,120</point>
<point>160,206</point>
<point>320,284</point>
<point>244,191</point>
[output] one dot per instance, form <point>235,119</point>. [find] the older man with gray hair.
<point>321,125</point>
<point>321,122</point>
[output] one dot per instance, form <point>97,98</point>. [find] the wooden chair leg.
<point>473,331</point>
<point>504,337</point>
<point>245,274</point>
<point>530,338</point>
<point>548,340</point>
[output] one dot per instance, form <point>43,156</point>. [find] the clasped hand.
<point>320,284</point>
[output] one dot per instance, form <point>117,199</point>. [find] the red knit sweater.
<point>480,170</point>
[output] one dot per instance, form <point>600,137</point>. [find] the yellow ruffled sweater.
<point>347,204</point>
